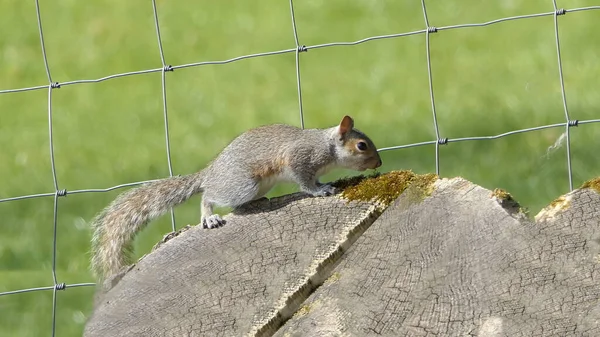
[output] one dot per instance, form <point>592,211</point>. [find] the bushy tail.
<point>116,226</point>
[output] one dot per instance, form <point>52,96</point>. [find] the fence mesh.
<point>427,31</point>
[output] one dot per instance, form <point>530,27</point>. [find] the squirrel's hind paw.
<point>213,221</point>
<point>324,190</point>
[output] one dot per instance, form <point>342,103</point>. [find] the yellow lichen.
<point>303,310</point>
<point>333,278</point>
<point>507,201</point>
<point>593,184</point>
<point>560,203</point>
<point>384,188</point>
<point>501,194</point>
<point>554,208</point>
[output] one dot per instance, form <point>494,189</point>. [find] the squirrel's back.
<point>265,156</point>
<point>264,149</point>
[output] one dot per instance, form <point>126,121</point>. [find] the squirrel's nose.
<point>378,163</point>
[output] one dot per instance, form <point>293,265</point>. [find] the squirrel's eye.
<point>362,146</point>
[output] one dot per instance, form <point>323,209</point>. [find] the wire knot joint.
<point>432,29</point>
<point>61,193</point>
<point>302,48</point>
<point>442,141</point>
<point>60,286</point>
<point>55,85</point>
<point>168,68</point>
<point>561,11</point>
<point>574,122</point>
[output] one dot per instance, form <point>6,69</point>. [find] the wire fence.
<point>298,49</point>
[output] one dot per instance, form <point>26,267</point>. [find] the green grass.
<point>487,81</point>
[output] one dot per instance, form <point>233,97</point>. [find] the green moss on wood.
<point>501,194</point>
<point>333,278</point>
<point>593,184</point>
<point>384,188</point>
<point>560,203</point>
<point>507,201</point>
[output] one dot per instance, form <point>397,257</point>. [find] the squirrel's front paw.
<point>324,190</point>
<point>213,221</point>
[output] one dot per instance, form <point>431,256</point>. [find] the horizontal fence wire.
<point>297,50</point>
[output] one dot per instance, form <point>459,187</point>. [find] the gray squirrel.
<point>244,171</point>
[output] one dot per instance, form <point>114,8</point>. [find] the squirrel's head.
<point>355,150</point>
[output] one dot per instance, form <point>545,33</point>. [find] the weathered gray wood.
<point>454,264</point>
<point>248,276</point>
<point>458,264</point>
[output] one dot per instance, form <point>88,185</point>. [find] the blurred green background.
<point>487,81</point>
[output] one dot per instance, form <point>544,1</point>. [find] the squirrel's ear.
<point>346,125</point>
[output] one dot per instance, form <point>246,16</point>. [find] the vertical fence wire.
<point>51,86</point>
<point>41,32</point>
<point>558,12</point>
<point>299,49</point>
<point>165,68</point>
<point>428,32</point>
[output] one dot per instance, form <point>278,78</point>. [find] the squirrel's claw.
<point>213,221</point>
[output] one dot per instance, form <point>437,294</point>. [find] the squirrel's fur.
<point>244,171</point>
